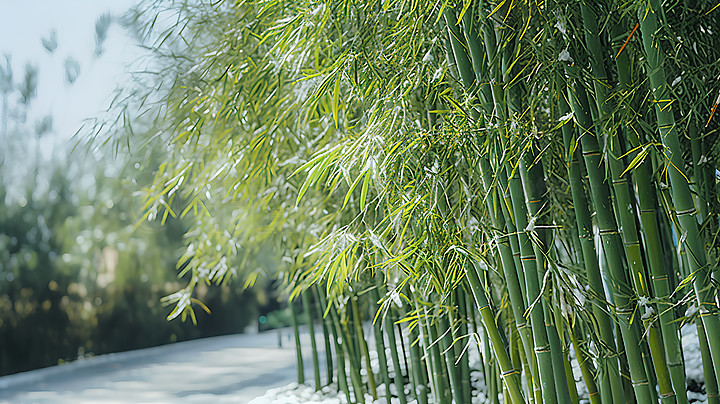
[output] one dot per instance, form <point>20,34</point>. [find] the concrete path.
<point>227,369</point>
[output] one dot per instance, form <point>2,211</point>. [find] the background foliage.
<point>79,275</point>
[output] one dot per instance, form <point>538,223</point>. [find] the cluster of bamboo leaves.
<point>534,178</point>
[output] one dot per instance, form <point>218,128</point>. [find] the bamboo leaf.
<point>363,195</point>
<point>201,304</point>
<point>336,99</point>
<point>636,161</point>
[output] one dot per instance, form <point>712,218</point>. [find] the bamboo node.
<point>686,212</point>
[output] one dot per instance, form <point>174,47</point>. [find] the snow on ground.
<point>297,394</point>
<point>306,394</point>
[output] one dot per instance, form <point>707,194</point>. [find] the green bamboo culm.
<point>610,379</point>
<point>418,369</point>
<point>623,201</point>
<point>445,341</point>
<point>380,347</point>
<point>509,375</point>
<point>461,335</point>
<point>320,313</point>
<point>298,345</point>
<point>442,382</point>
<point>649,17</point>
<point>612,244</point>
<point>346,354</point>
<point>429,355</point>
<point>711,386</point>
<point>360,336</point>
<point>395,356</point>
<point>307,307</point>
<point>329,315</point>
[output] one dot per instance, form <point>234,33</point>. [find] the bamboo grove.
<point>537,179</point>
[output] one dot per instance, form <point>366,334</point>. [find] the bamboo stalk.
<point>439,372</point>
<point>554,387</point>
<point>427,355</point>
<point>620,288</point>
<point>403,352</point>
<point>392,340</point>
<point>337,335</point>
<point>445,339</point>
<point>623,200</point>
<point>360,336</point>
<point>461,335</point>
<point>611,387</point>
<point>511,275</point>
<point>509,375</point>
<point>647,201</point>
<point>326,335</point>
<point>298,346</point>
<point>574,398</point>
<point>682,198</point>
<point>490,369</point>
<point>711,386</point>
<point>380,346</point>
<point>347,344</point>
<point>543,349</point>
<point>533,184</point>
<point>419,368</point>
<point>588,375</point>
<point>313,343</point>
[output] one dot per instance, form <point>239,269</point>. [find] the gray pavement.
<point>226,369</point>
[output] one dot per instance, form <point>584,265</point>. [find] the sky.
<point>24,23</point>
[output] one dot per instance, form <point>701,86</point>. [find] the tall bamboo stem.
<point>682,197</point>
<point>509,375</point>
<point>622,293</point>
<point>307,307</point>
<point>610,381</point>
<point>298,345</point>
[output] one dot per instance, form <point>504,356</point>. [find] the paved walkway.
<point>227,369</point>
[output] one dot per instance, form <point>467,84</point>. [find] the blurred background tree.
<point>80,274</point>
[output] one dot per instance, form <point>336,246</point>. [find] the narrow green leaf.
<point>312,176</point>
<point>639,158</point>
<point>363,195</point>
<point>201,304</point>
<point>336,100</point>
<point>352,188</point>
